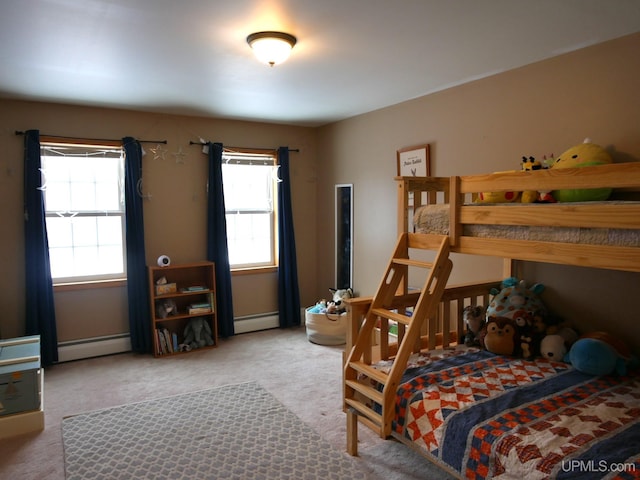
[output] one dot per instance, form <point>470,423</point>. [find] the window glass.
<point>84,201</point>
<point>249,194</point>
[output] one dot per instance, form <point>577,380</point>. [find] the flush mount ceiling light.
<point>271,47</point>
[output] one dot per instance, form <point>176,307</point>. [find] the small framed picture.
<point>414,161</point>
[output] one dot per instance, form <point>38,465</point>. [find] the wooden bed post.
<point>455,227</point>
<point>403,205</point>
<point>352,433</point>
<point>509,268</point>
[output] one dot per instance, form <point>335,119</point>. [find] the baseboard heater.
<point>254,323</point>
<point>93,347</point>
<point>108,345</point>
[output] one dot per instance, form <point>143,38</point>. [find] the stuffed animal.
<point>540,196</point>
<point>166,308</point>
<point>500,336</point>
<point>198,333</point>
<point>544,323</point>
<point>530,164</point>
<point>514,298</point>
<point>319,307</point>
<point>474,319</point>
<point>556,345</point>
<point>528,341</point>
<point>498,197</point>
<point>584,155</point>
<point>336,305</point>
<point>599,353</point>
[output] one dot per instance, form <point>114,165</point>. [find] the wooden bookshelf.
<point>178,295</point>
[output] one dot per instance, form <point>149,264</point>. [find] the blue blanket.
<point>490,416</point>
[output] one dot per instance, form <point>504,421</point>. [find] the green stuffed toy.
<point>586,154</point>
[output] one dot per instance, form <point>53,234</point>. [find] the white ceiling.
<point>353,56</point>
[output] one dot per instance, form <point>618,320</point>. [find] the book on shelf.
<point>165,341</point>
<point>194,288</point>
<point>168,340</point>
<point>199,310</point>
<point>161,342</point>
<point>200,305</point>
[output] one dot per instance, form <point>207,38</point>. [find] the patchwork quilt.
<point>483,416</point>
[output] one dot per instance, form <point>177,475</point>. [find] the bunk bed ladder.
<point>362,400</point>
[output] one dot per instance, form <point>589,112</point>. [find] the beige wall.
<point>484,126</point>
<point>175,213</point>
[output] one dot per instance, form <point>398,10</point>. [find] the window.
<point>249,180</point>
<point>84,201</point>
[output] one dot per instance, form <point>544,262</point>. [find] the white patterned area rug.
<point>236,432</point>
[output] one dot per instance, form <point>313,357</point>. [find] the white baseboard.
<point>93,347</point>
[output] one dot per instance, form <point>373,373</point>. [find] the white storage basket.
<point>326,328</point>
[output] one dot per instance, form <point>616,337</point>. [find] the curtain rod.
<point>244,148</point>
<point>18,132</point>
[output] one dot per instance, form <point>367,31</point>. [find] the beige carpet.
<point>304,377</point>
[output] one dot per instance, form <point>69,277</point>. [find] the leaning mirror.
<point>344,235</point>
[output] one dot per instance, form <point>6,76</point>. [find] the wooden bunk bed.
<point>390,376</point>
<point>454,196</point>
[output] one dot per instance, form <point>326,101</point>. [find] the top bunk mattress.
<point>435,219</point>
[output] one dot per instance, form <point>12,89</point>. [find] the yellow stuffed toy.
<point>530,164</point>
<point>586,154</point>
<point>498,197</point>
<point>539,196</point>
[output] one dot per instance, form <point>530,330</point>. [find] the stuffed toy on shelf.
<point>197,334</point>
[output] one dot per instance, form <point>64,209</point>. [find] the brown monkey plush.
<point>500,336</point>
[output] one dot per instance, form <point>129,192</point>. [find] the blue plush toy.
<point>599,354</point>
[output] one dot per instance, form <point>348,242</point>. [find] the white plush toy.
<point>556,346</point>
<point>337,303</point>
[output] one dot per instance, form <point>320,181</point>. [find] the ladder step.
<point>412,263</point>
<point>366,390</point>
<point>369,371</point>
<point>374,426</point>
<point>398,317</point>
<point>362,409</point>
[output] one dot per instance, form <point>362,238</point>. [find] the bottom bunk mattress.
<point>482,415</point>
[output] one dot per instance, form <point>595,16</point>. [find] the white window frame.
<point>72,148</point>
<point>250,157</point>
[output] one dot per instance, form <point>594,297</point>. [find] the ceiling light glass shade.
<point>271,47</point>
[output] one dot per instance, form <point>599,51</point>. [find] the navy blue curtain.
<point>217,247</point>
<point>137,283</point>
<point>40,316</point>
<point>288,290</point>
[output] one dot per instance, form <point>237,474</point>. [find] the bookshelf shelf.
<point>178,294</point>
